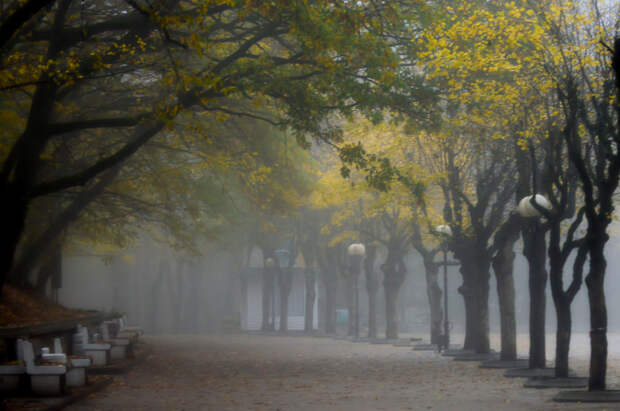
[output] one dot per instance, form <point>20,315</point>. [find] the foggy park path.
<point>242,372</point>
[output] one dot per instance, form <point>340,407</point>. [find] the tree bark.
<point>394,275</point>
<point>38,248</point>
<point>51,267</point>
<point>350,282</point>
<point>310,277</point>
<point>285,281</point>
<point>535,252</point>
<point>475,265</point>
<point>434,293</point>
<point>267,296</point>
<point>330,311</point>
<point>506,297</point>
<point>372,286</point>
<point>16,192</point>
<point>503,267</point>
<point>562,342</point>
<point>391,320</point>
<point>326,259</point>
<point>562,299</point>
<point>595,282</point>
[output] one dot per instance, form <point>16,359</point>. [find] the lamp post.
<point>445,231</point>
<point>356,252</point>
<point>534,250</point>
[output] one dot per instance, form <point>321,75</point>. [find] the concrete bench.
<point>128,331</point>
<point>13,375</point>
<point>120,346</point>
<point>99,353</point>
<point>77,365</point>
<point>46,378</point>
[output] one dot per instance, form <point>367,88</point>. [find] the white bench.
<point>127,331</point>
<point>76,372</point>
<point>99,353</point>
<point>11,375</point>
<point>120,346</point>
<point>45,379</point>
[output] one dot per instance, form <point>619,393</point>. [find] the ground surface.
<point>242,372</point>
<point>20,308</point>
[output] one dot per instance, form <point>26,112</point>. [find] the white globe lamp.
<point>526,209</point>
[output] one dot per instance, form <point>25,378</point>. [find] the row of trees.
<point>190,118</point>
<point>529,104</point>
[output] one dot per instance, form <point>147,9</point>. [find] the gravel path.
<point>243,372</point>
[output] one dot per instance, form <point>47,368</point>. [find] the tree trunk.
<point>372,286</point>
<point>310,277</point>
<point>562,338</point>
<point>51,267</point>
<point>350,282</point>
<point>469,342</point>
<point>535,252</point>
<point>503,267</point>
<point>475,291</point>
<point>285,280</point>
<point>330,312</point>
<point>39,247</point>
<point>394,275</point>
<point>595,282</point>
<point>267,297</point>
<point>391,320</point>
<point>562,299</point>
<point>17,180</point>
<point>372,315</point>
<point>434,294</point>
<point>325,257</point>
<point>477,316</point>
<point>506,297</point>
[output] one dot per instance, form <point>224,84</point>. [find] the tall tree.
<point>149,62</point>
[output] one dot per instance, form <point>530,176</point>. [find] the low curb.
<point>531,372</point>
<point>505,364</point>
<point>588,396</point>
<point>552,382</point>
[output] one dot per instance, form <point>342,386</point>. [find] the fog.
<point>270,192</point>
<point>169,292</point>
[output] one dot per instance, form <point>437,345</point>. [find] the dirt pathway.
<point>243,372</point>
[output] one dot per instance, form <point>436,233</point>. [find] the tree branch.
<point>19,17</point>
<point>141,136</point>
<point>71,126</point>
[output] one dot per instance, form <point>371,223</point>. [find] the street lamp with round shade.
<point>446,231</point>
<point>526,209</point>
<point>356,249</point>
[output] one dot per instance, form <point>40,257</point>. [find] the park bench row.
<point>50,372</point>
